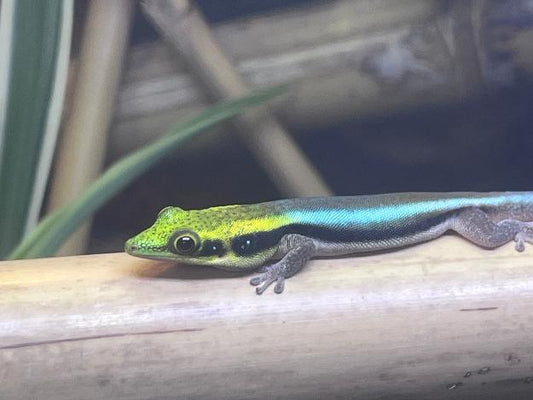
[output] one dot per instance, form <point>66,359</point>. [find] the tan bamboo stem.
<point>83,144</point>
<point>440,320</point>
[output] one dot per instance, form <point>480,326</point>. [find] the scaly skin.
<point>241,237</point>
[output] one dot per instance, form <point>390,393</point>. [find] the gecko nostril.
<point>131,247</point>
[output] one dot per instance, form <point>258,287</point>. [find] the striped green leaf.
<point>34,46</point>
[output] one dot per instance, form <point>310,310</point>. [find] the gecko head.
<point>213,236</point>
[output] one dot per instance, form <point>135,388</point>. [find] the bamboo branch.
<point>188,33</point>
<point>418,323</point>
<point>82,147</point>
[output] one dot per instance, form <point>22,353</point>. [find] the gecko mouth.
<point>139,251</point>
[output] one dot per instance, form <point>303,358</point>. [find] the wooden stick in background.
<point>83,143</point>
<point>186,30</point>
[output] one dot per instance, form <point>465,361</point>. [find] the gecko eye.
<point>184,243</point>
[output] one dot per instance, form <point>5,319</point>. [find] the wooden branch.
<point>419,323</point>
<point>82,148</point>
<point>189,35</point>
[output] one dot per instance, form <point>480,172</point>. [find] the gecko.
<point>290,232</point>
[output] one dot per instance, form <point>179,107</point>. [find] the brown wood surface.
<point>442,320</point>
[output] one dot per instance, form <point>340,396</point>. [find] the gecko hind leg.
<point>525,235</point>
<point>298,250</point>
<point>476,226</point>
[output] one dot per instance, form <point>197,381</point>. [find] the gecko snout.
<point>130,247</point>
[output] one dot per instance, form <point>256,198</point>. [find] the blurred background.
<point>383,96</point>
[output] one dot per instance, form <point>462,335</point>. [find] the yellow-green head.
<point>227,237</point>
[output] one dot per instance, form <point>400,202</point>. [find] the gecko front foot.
<point>298,250</point>
<point>272,273</point>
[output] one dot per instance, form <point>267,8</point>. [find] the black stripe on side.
<point>254,243</point>
<point>250,244</point>
<point>212,248</point>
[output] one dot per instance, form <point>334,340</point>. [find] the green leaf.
<point>55,229</point>
<point>30,38</point>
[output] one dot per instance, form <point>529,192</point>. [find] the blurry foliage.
<point>30,44</point>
